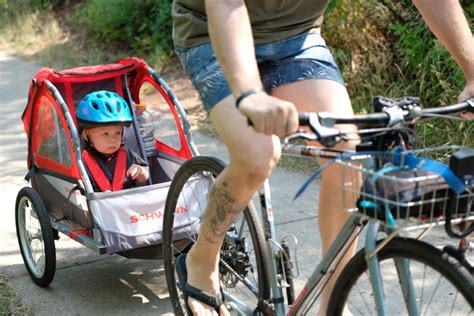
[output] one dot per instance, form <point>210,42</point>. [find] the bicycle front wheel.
<point>243,265</point>
<point>442,285</point>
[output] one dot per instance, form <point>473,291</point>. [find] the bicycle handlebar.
<point>383,118</point>
<point>322,123</point>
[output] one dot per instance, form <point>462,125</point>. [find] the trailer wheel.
<point>35,236</point>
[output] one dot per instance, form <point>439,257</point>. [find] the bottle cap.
<point>140,106</point>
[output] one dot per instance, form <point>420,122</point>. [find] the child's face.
<point>106,139</point>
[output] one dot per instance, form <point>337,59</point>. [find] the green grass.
<point>46,38</point>
<point>9,301</point>
<point>5,297</point>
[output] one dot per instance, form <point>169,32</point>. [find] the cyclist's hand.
<point>467,93</point>
<point>270,115</point>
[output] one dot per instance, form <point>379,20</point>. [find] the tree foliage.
<point>144,26</point>
<point>382,46</point>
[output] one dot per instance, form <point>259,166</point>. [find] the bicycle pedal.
<point>264,309</point>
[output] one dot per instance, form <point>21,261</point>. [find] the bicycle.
<point>254,276</point>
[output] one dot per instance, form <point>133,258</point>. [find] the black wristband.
<point>246,94</point>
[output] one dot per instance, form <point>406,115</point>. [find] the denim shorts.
<point>300,57</point>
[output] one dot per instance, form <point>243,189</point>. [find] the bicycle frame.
<point>326,267</point>
<point>323,271</point>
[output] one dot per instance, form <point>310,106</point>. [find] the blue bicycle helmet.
<point>103,108</point>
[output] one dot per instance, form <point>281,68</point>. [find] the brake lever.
<point>300,134</point>
<point>326,134</point>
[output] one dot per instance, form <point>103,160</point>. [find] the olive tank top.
<point>271,20</point>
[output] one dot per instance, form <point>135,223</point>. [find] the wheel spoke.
<point>35,236</point>
<point>441,285</point>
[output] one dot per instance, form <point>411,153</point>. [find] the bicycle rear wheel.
<point>243,265</point>
<point>442,285</point>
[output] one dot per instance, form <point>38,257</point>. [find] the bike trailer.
<point>127,222</point>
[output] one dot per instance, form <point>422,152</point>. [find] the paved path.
<point>86,283</point>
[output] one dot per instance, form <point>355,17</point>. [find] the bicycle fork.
<point>280,266</point>
<point>403,271</point>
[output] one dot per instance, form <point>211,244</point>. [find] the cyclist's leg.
<point>330,96</point>
<point>252,156</point>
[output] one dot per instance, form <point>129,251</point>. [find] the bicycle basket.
<point>382,185</point>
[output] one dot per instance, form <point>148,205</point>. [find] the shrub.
<point>384,47</point>
<point>142,26</point>
<point>357,32</point>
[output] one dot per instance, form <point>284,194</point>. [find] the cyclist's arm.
<point>231,36</point>
<point>232,41</point>
<point>447,21</point>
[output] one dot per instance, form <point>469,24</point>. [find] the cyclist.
<point>267,61</point>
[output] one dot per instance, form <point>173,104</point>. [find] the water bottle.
<point>145,123</point>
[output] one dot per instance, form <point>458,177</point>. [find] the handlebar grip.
<point>303,118</point>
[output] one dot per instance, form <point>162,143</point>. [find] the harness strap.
<point>454,182</point>
<point>410,160</point>
<point>99,175</point>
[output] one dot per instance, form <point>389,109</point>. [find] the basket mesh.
<point>375,185</point>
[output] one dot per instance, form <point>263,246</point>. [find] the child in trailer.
<point>101,118</point>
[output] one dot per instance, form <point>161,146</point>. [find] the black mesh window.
<point>79,90</point>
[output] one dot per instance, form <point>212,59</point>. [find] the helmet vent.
<point>95,105</point>
<point>107,106</point>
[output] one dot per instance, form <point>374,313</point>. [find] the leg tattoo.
<point>222,210</point>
